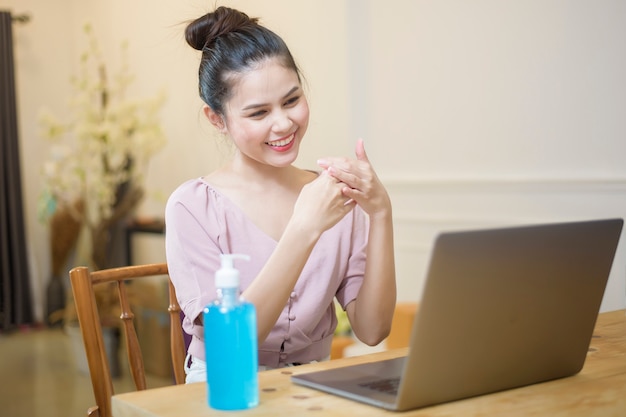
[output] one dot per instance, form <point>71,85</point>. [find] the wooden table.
<point>598,390</point>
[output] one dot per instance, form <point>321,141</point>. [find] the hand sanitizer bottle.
<point>230,338</point>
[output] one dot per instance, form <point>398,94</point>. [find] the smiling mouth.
<point>282,142</point>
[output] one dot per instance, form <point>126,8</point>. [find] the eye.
<point>292,101</point>
<point>258,114</point>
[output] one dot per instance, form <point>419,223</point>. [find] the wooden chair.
<point>83,281</point>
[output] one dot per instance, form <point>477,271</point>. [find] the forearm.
<point>372,312</point>
<point>272,287</point>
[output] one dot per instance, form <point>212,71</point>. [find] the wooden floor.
<point>40,376</point>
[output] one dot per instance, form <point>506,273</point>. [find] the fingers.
<point>360,151</point>
<point>356,175</point>
<point>339,187</point>
<point>323,201</point>
<point>360,184</point>
<point>346,164</point>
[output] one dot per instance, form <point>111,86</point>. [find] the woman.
<point>312,237</point>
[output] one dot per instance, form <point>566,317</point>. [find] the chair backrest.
<point>83,281</point>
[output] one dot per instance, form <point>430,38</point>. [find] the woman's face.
<point>267,114</point>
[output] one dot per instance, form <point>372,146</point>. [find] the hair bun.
<point>206,29</point>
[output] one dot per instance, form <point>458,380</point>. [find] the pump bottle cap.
<point>227,276</point>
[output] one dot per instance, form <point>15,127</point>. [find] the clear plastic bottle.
<point>230,338</point>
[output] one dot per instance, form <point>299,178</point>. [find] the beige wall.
<point>476,113</point>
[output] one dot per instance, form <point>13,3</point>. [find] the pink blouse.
<point>201,223</point>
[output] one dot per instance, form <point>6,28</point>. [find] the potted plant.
<point>94,177</point>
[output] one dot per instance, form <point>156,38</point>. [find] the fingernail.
<point>322,162</point>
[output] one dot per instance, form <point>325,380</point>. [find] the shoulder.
<point>192,195</point>
<point>195,211</point>
<point>191,191</point>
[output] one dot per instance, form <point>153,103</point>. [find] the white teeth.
<point>283,142</point>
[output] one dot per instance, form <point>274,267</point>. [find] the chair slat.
<point>177,343</point>
<point>133,350</point>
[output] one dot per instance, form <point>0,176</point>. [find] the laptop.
<point>501,308</point>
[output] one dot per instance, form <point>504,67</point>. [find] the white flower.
<point>108,141</point>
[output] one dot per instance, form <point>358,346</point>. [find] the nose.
<point>282,122</point>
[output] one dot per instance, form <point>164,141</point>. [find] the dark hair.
<point>231,43</point>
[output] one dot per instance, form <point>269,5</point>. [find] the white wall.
<point>491,112</point>
<point>476,113</point>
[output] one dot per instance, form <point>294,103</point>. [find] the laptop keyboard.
<point>388,386</point>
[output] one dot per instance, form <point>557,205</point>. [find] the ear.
<point>216,119</point>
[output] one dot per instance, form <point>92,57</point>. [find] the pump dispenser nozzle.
<point>227,276</point>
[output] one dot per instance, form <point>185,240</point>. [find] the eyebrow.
<point>254,106</point>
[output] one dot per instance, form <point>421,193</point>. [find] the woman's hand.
<point>322,203</point>
<point>361,183</point>
<point>371,313</point>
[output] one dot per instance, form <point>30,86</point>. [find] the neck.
<point>254,172</point>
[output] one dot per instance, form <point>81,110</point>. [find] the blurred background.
<point>475,113</point>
